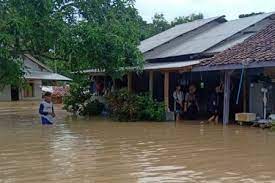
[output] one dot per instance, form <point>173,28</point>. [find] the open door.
<point>14,93</point>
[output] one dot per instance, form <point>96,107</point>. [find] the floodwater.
<point>101,151</point>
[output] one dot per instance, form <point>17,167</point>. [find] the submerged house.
<point>196,53</point>
<point>255,57</point>
<point>179,55</point>
<point>35,74</point>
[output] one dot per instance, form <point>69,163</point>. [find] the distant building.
<point>35,73</point>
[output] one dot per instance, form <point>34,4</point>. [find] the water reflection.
<point>100,151</point>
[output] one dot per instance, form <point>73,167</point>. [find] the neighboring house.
<point>35,73</point>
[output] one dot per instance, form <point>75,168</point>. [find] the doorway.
<point>14,93</point>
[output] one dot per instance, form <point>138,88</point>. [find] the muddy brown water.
<point>81,150</point>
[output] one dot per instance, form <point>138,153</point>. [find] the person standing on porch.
<point>215,105</point>
<point>178,102</point>
<point>191,107</point>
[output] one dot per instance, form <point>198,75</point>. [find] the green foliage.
<point>150,110</point>
<point>127,106</point>
<point>80,101</point>
<point>250,14</point>
<point>78,94</point>
<point>160,24</point>
<point>77,34</point>
<point>10,72</point>
<point>186,19</point>
<point>93,108</point>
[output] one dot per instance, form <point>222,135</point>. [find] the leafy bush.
<point>126,106</point>
<point>93,108</point>
<point>81,102</point>
<point>78,95</point>
<point>149,109</point>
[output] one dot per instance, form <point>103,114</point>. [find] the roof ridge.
<point>265,15</point>
<point>31,58</point>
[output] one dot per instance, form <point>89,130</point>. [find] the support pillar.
<point>245,92</point>
<point>226,102</point>
<point>166,91</point>
<point>151,82</point>
<point>130,81</point>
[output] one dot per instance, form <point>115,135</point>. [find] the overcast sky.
<point>210,8</point>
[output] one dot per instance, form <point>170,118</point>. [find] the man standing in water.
<point>46,110</point>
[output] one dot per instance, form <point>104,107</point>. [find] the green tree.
<point>250,14</point>
<point>77,34</point>
<point>186,19</point>
<point>160,24</point>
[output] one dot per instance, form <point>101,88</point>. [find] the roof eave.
<point>234,66</point>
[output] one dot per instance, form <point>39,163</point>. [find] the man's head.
<point>178,87</point>
<point>48,97</point>
<point>192,88</point>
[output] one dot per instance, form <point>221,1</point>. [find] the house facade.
<point>190,54</point>
<point>179,55</point>
<point>35,74</point>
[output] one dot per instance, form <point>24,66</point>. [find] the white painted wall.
<point>5,95</point>
<point>37,91</point>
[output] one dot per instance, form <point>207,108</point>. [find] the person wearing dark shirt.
<point>191,107</point>
<point>214,105</point>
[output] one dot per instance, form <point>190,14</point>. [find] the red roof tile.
<point>257,48</point>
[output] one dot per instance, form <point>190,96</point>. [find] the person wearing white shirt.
<point>178,102</point>
<point>46,110</point>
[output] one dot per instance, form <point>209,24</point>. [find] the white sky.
<point>210,8</point>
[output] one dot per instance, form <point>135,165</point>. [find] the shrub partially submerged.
<point>82,102</point>
<point>125,106</point>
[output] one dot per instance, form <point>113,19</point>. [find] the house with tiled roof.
<point>255,52</point>
<point>201,53</point>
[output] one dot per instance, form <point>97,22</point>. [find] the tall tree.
<point>186,19</point>
<point>160,24</point>
<point>76,33</point>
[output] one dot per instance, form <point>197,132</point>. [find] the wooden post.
<point>130,82</point>
<point>245,92</point>
<point>226,102</point>
<point>151,82</point>
<point>114,85</point>
<point>166,90</point>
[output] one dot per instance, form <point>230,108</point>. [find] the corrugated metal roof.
<point>170,65</point>
<point>172,33</point>
<point>212,37</point>
<point>45,76</point>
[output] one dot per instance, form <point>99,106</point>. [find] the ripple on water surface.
<point>99,151</point>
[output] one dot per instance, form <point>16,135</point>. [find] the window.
<point>29,90</point>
